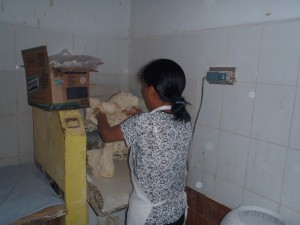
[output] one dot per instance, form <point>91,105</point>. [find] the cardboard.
<point>54,88</point>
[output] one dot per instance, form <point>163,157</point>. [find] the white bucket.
<point>252,215</point>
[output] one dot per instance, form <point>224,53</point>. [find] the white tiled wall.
<point>294,141</point>
<point>246,148</point>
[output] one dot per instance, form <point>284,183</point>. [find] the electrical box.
<point>221,75</point>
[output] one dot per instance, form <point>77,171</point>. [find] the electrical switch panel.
<point>221,75</point>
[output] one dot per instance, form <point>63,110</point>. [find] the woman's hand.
<point>132,111</point>
<point>107,133</point>
<point>96,111</point>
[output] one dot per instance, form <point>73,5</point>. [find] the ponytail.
<point>179,110</point>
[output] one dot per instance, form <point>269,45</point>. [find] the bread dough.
<point>100,161</point>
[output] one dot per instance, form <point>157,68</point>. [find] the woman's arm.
<point>108,133</point>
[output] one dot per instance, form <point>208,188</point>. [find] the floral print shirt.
<point>159,146</point>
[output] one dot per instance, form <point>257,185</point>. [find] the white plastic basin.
<point>252,215</point>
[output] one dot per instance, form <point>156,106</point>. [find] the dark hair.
<point>168,79</point>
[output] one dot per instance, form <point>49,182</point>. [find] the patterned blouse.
<point>159,145</point>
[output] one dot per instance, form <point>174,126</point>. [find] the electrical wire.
<point>200,105</point>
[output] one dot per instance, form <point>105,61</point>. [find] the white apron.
<point>140,206</point>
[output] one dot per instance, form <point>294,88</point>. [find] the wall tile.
<point>26,158</point>
<point>191,198</point>
<point>8,97</point>
<point>196,201</point>
<point>205,148</point>
<point>290,216</point>
<point>117,81</point>
<point>203,210</point>
<point>189,51</point>
<point>214,48</point>
<point>7,47</point>
<point>215,211</point>
<point>122,56</point>
<point>112,51</point>
<point>134,85</point>
<point>276,72</point>
<point>228,193</point>
<point>23,106</point>
<point>108,50</point>
<point>298,84</point>
<point>151,49</point>
<point>9,161</point>
<point>232,158</point>
<point>136,59</point>
<point>169,47</point>
<point>210,114</point>
<point>238,119</point>
<point>280,53</point>
<point>200,204</point>
<point>8,136</point>
<point>94,78</point>
<point>85,45</point>
<point>58,41</point>
<point>295,131</point>
<point>199,219</point>
<point>196,152</point>
<point>195,96</point>
<point>190,217</point>
<point>265,169</point>
<point>243,52</point>
<point>253,199</point>
<point>189,95</point>
<point>28,37</point>
<point>272,113</point>
<point>209,222</point>
<point>194,175</point>
<point>208,185</point>
<point>290,194</point>
<point>25,124</point>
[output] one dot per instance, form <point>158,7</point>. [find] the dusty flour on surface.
<point>113,220</point>
<point>110,220</point>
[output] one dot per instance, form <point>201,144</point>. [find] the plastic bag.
<point>68,61</point>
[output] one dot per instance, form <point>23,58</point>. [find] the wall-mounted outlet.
<point>221,75</point>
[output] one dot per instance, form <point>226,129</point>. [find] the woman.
<point>159,141</point>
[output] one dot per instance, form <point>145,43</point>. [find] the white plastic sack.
<point>68,61</point>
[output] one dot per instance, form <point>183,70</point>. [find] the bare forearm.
<point>108,133</point>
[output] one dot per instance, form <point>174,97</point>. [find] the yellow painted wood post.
<point>75,166</point>
<point>60,148</point>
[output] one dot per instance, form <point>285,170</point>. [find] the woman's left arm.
<point>108,134</point>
